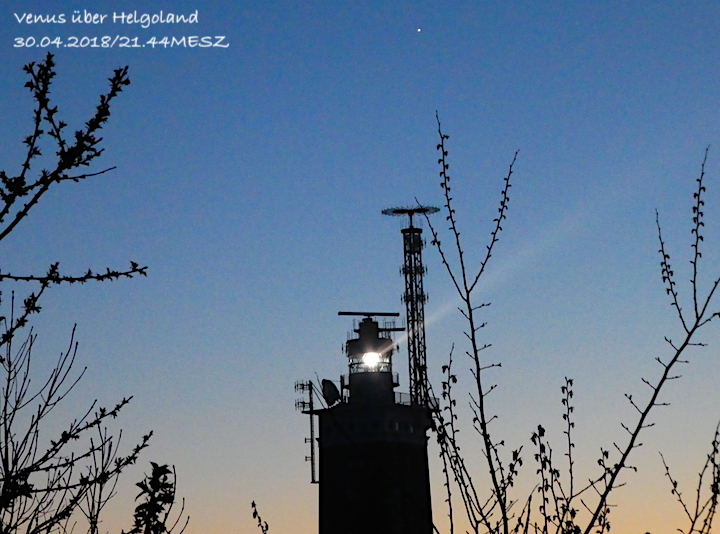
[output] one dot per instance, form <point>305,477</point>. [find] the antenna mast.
<point>307,407</point>
<point>414,299</point>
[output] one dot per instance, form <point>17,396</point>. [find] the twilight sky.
<point>250,179</point>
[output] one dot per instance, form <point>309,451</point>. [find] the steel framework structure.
<point>414,298</point>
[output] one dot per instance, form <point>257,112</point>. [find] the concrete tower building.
<point>374,476</point>
<point>373,457</point>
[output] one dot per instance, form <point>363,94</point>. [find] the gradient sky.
<point>250,180</point>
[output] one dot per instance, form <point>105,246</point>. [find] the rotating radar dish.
<point>422,210</point>
<point>409,212</point>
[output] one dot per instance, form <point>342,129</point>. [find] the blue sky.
<point>250,180</point>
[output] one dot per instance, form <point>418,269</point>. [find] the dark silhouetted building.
<point>373,457</point>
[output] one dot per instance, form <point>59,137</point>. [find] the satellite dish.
<point>330,392</point>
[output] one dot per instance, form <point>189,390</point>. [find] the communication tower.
<point>414,298</point>
<point>372,453</point>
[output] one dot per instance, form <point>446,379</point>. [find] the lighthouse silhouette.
<point>374,474</point>
<point>373,458</point>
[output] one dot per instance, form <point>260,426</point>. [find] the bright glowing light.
<point>371,359</point>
